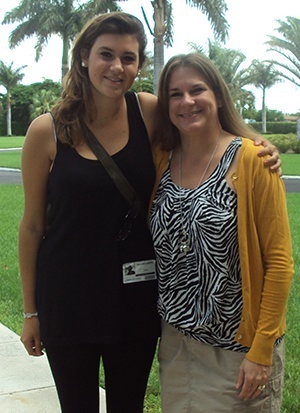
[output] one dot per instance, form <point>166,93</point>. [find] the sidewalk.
<point>26,383</point>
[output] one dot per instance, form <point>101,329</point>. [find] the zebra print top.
<point>199,291</point>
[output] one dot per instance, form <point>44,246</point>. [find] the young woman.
<point>221,235</point>
<point>78,301</point>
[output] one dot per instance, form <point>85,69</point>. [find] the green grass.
<point>11,200</point>
<point>291,403</point>
<point>11,142</point>
<point>290,163</point>
<point>11,159</point>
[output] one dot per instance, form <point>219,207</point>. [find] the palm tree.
<point>53,17</point>
<point>62,17</point>
<point>9,78</point>
<point>42,102</point>
<point>144,80</point>
<point>245,103</point>
<point>162,34</point>
<point>264,76</point>
<point>288,47</point>
<point>163,26</point>
<point>228,62</point>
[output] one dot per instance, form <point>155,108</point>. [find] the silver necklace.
<point>184,239</point>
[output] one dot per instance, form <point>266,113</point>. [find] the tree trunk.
<point>264,112</point>
<point>8,114</point>
<point>65,57</point>
<point>159,31</point>
<point>158,62</point>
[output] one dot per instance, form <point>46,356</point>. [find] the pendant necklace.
<point>184,239</point>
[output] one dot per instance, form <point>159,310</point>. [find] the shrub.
<point>277,127</point>
<point>284,143</point>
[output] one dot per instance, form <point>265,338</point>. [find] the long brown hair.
<point>76,100</point>
<point>230,120</point>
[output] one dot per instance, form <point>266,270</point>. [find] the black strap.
<point>112,168</point>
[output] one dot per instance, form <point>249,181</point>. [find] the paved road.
<point>8,176</point>
<point>292,185</point>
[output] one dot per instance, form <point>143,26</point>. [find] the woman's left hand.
<point>252,379</point>
<point>273,161</point>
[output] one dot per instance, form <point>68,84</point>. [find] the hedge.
<point>276,127</point>
<point>286,143</point>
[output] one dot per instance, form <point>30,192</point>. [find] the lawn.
<point>290,164</point>
<point>11,142</point>
<point>11,159</point>
<point>292,380</point>
<point>11,199</point>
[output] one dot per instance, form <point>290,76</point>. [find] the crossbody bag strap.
<point>111,168</point>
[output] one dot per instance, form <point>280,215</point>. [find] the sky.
<point>250,23</point>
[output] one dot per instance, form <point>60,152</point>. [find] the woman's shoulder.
<point>249,148</point>
<point>249,159</point>
<point>146,98</point>
<point>41,135</point>
<point>148,104</point>
<point>42,124</point>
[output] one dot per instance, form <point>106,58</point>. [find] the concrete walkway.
<point>26,383</point>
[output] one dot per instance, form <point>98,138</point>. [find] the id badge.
<point>134,272</point>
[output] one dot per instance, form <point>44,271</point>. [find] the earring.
<point>83,64</point>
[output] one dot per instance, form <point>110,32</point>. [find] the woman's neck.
<point>198,146</point>
<point>109,111</point>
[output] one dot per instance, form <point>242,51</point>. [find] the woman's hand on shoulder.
<point>273,161</point>
<point>148,103</point>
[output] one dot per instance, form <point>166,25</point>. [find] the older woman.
<point>221,235</point>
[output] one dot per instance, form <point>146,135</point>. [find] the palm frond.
<point>215,11</point>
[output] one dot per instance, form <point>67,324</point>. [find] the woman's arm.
<point>37,156</point>
<point>267,206</point>
<point>272,226</point>
<point>149,107</point>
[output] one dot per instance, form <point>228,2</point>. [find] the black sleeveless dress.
<point>81,296</point>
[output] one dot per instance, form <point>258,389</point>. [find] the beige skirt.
<point>199,378</point>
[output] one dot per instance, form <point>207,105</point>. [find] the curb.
<point>19,170</point>
<point>9,169</point>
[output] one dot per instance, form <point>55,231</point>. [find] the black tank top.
<point>80,292</point>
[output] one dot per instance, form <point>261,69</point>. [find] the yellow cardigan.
<point>264,247</point>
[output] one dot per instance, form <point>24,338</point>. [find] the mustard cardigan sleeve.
<point>265,254</point>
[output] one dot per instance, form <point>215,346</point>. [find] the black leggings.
<point>76,374</point>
